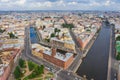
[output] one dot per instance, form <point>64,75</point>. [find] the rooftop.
<point>61,55</point>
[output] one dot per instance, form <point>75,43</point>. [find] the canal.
<point>33,35</point>
<point>95,64</point>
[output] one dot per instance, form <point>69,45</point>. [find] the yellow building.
<point>37,53</point>
<point>69,46</point>
<point>37,50</point>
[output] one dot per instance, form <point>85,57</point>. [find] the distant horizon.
<point>23,5</point>
<point>66,10</point>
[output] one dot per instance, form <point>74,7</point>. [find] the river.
<point>33,35</point>
<point>95,64</point>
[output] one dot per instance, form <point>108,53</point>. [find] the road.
<point>58,71</point>
<point>113,64</point>
<point>28,53</point>
<point>65,75</point>
<point>78,57</point>
<point>80,53</point>
<point>42,42</point>
<point>77,61</point>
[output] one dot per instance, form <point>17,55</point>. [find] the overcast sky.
<point>59,4</point>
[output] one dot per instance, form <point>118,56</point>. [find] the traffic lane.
<point>113,60</point>
<point>65,75</point>
<point>33,58</point>
<point>38,61</point>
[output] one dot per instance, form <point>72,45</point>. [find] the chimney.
<point>53,52</point>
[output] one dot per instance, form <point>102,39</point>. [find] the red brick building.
<point>8,69</point>
<point>59,59</point>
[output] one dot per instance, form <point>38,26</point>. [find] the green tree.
<point>118,57</point>
<point>55,30</point>
<point>31,65</point>
<point>52,35</point>
<point>59,30</point>
<point>42,68</point>
<point>44,27</point>
<point>1,31</point>
<point>17,72</point>
<point>88,30</point>
<point>21,63</point>
<point>31,76</point>
<point>39,69</point>
<point>118,38</point>
<point>11,35</point>
<point>70,26</point>
<point>47,39</point>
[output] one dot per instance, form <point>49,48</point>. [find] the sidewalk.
<point>119,73</point>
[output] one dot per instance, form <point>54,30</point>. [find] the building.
<point>7,60</point>
<point>61,59</point>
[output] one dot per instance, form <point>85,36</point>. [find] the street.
<point>113,64</point>
<point>28,55</point>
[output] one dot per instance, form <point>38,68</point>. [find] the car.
<point>115,74</point>
<point>68,73</point>
<point>115,79</point>
<point>48,68</point>
<point>76,78</point>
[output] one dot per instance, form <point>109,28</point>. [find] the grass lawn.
<point>118,46</point>
<point>118,50</point>
<point>33,71</point>
<point>117,42</point>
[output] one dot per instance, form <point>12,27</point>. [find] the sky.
<point>60,5</point>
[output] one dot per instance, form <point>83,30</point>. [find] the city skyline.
<point>102,5</point>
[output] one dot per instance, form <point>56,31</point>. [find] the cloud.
<point>4,0</point>
<point>20,2</point>
<point>72,3</point>
<point>109,2</point>
<point>95,4</point>
<point>59,4</point>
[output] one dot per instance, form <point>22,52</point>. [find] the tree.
<point>42,68</point>
<point>55,30</point>
<point>70,26</point>
<point>32,75</point>
<point>118,38</point>
<point>52,35</point>
<point>47,39</point>
<point>17,72</point>
<point>118,57</point>
<point>59,30</point>
<point>88,30</point>
<point>11,35</point>
<point>39,69</point>
<point>1,31</point>
<point>44,27</point>
<point>31,65</point>
<point>21,63</point>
